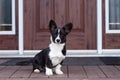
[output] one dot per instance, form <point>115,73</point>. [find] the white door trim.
<point>21,30</point>
<point>99,26</point>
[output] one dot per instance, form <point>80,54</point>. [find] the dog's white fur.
<point>56,57</point>
<point>37,71</point>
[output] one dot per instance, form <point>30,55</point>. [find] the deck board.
<point>8,71</point>
<point>94,72</point>
<point>23,72</point>
<point>1,67</point>
<point>103,79</point>
<point>70,73</point>
<point>76,71</point>
<point>118,67</point>
<point>111,71</point>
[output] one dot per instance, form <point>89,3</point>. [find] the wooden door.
<point>82,13</point>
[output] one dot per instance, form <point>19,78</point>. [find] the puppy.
<point>51,58</point>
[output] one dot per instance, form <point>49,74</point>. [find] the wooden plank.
<point>118,67</point>
<point>76,14</point>
<point>103,79</point>
<point>90,23</point>
<point>60,11</point>
<point>28,24</point>
<point>93,44</point>
<point>13,79</point>
<point>2,67</point>
<point>45,13</point>
<point>11,40</point>
<point>26,68</point>
<point>11,67</point>
<point>23,72</point>
<point>114,41</point>
<point>76,72</point>
<point>43,10</point>
<point>54,78</point>
<point>8,71</point>
<point>94,72</point>
<point>110,71</point>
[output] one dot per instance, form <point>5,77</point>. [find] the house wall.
<point>10,42</point>
<point>110,41</point>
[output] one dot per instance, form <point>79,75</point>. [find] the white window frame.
<point>107,19</point>
<point>12,32</point>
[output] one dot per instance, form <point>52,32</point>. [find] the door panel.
<point>82,13</point>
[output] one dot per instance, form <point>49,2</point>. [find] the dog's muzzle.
<point>58,40</point>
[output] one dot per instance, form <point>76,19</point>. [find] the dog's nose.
<point>58,40</point>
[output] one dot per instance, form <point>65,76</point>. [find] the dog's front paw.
<point>48,72</point>
<point>59,72</point>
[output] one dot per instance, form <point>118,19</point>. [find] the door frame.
<point>99,52</point>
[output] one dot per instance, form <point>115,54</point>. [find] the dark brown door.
<point>82,13</point>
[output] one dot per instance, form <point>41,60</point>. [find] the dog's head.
<point>59,34</point>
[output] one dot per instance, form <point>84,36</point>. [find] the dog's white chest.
<point>56,55</point>
<point>56,58</point>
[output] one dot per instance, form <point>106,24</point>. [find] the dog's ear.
<point>52,25</point>
<point>68,27</point>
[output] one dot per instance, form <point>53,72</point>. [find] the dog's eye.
<point>55,33</point>
<point>62,33</point>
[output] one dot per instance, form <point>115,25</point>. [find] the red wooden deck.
<point>70,73</point>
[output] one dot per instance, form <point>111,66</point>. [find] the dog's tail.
<point>24,63</point>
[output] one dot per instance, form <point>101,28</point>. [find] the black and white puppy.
<point>52,57</point>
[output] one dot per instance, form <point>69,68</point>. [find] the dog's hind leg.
<point>48,71</point>
<point>36,69</point>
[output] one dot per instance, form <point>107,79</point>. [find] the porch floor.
<point>74,69</point>
<point>70,73</point>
